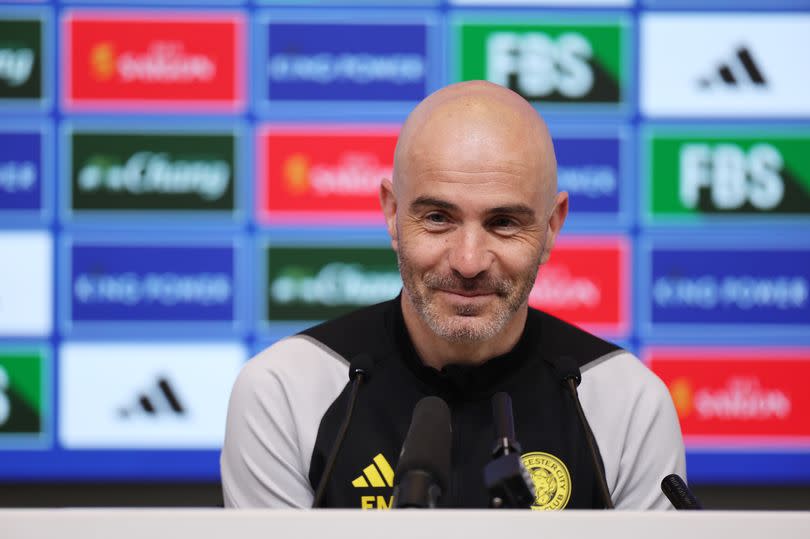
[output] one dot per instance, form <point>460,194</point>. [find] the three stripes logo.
<point>378,474</point>
<point>741,70</point>
<point>161,399</point>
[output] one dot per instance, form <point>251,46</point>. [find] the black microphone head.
<point>427,444</point>
<point>678,493</point>
<point>567,369</point>
<point>502,416</point>
<point>360,364</point>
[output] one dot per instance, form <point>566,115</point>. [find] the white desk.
<point>356,524</point>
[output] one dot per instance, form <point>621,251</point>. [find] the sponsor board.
<point>152,284</point>
<point>744,65</point>
<point>566,62</point>
<point>24,396</point>
<point>323,173</point>
<point>26,284</point>
<point>146,395</point>
<point>716,287</point>
<point>309,60</point>
<point>585,282</point>
<point>319,283</point>
<point>737,397</point>
<point>153,171</point>
<point>21,170</point>
<point>707,172</point>
<point>154,60</point>
<point>590,169</point>
<point>21,59</point>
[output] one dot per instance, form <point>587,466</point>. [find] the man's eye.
<point>503,223</point>
<point>436,218</point>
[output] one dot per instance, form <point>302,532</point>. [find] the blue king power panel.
<point>155,277</point>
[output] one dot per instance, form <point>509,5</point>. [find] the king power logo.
<point>148,60</point>
<point>737,395</point>
<point>329,173</point>
<point>553,63</point>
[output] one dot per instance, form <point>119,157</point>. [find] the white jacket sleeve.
<point>274,414</point>
<point>636,427</point>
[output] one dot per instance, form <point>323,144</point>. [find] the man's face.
<point>469,244</point>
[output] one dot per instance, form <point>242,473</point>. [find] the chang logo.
<point>539,64</point>
<point>552,481</point>
<point>16,65</point>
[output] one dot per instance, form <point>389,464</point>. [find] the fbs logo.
<point>553,63</point>
<point>740,71</point>
<point>161,399</point>
<point>20,59</point>
<point>378,474</point>
<point>708,172</point>
<point>21,397</point>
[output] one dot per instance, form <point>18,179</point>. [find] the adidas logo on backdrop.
<point>740,70</point>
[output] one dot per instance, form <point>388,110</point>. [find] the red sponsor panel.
<point>586,283</point>
<point>739,396</point>
<point>323,173</point>
<point>188,61</point>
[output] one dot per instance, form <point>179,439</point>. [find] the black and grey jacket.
<point>289,400</point>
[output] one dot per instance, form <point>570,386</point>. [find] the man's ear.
<point>388,201</point>
<point>555,224</point>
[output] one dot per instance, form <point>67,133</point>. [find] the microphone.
<point>505,477</point>
<point>678,493</point>
<point>359,372</point>
<point>423,471</point>
<point>569,374</point>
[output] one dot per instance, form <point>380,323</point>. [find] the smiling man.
<point>473,212</point>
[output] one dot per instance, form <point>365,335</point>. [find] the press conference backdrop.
<point>182,186</point>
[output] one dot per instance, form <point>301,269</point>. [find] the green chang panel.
<point>21,399</point>
<point>146,171</point>
<point>545,61</point>
<point>20,59</point>
<point>707,173</point>
<point>319,283</point>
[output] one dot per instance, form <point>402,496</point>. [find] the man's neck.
<point>438,352</point>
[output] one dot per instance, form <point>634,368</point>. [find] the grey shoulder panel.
<point>274,414</point>
<point>636,427</point>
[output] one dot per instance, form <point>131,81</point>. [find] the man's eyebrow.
<point>425,201</point>
<point>513,209</point>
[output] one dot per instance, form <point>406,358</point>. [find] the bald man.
<point>473,212</point>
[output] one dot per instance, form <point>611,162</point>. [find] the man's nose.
<point>470,254</point>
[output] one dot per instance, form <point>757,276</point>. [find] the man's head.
<point>472,210</point>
